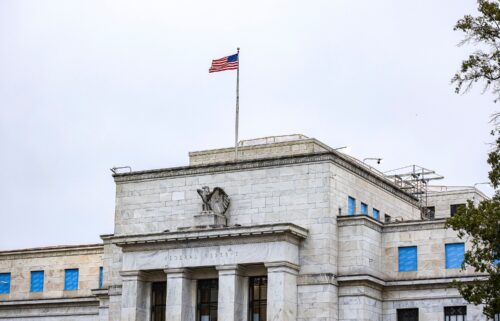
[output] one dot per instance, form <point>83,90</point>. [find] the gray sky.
<point>87,85</point>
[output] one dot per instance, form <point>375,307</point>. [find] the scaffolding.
<point>414,179</point>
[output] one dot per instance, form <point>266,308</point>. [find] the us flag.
<point>226,63</point>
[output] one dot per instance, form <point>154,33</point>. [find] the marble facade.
<point>287,221</point>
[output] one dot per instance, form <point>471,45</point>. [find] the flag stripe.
<point>226,63</point>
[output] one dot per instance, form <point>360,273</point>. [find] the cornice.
<point>329,156</point>
<point>210,236</point>
<point>403,226</point>
<point>53,251</point>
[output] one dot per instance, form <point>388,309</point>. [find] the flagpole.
<point>237,108</point>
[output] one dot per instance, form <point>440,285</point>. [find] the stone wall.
<point>443,197</point>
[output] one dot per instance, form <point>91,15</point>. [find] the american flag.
<point>226,63</point>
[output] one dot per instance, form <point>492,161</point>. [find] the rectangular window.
<point>454,255</point>
<point>430,212</point>
<point>207,298</point>
<point>36,281</point>
<point>376,213</point>
<point>100,277</point>
<point>387,218</point>
<point>70,279</point>
<point>4,283</point>
<point>454,208</point>
<point>158,301</point>
<point>455,313</point>
<point>497,317</point>
<point>407,314</point>
<point>351,205</point>
<point>258,299</point>
<point>407,258</point>
<point>364,208</point>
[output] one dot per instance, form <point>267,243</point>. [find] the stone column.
<point>233,293</point>
<point>181,296</point>
<point>281,291</point>
<point>136,296</point>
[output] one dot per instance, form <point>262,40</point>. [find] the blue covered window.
<point>71,279</point>
<point>364,208</point>
<point>376,213</point>
<point>100,277</point>
<point>36,281</point>
<point>454,254</point>
<point>407,258</point>
<point>4,283</point>
<point>351,205</point>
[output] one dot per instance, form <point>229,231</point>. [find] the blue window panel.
<point>376,214</point>
<point>4,283</point>
<point>407,258</point>
<point>100,277</point>
<point>351,205</point>
<point>36,281</point>
<point>71,279</point>
<point>454,254</point>
<point>364,208</point>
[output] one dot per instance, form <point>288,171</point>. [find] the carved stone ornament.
<point>215,201</point>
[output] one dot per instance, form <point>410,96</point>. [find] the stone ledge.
<point>403,226</point>
<point>235,232</point>
<point>51,251</point>
<point>38,303</point>
<point>355,278</point>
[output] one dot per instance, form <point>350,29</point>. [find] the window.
<point>497,317</point>
<point>454,255</point>
<point>364,208</point>
<point>100,277</point>
<point>454,208</point>
<point>36,281</point>
<point>387,218</point>
<point>4,283</point>
<point>455,313</point>
<point>376,213</point>
<point>430,212</point>
<point>208,292</point>
<point>158,301</point>
<point>407,258</point>
<point>258,299</point>
<point>70,279</point>
<point>351,205</point>
<point>407,314</point>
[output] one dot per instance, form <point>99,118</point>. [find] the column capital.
<point>231,269</point>
<point>282,266</point>
<point>134,275</point>
<point>178,272</point>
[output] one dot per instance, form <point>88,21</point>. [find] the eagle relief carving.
<point>215,201</point>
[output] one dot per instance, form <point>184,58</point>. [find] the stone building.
<point>292,230</point>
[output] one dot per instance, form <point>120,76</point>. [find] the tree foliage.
<point>480,225</point>
<point>484,64</point>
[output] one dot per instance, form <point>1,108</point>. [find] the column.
<point>281,291</point>
<point>233,293</point>
<point>136,293</point>
<point>181,296</point>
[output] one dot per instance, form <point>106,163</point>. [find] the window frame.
<point>364,208</point>
<point>448,263</point>
<point>401,317</point>
<point>449,309</point>
<point>212,305</point>
<point>257,302</point>
<point>412,268</point>
<point>351,205</point>
<point>33,286</point>
<point>374,210</point>
<point>158,288</point>
<point>5,287</point>
<point>67,281</point>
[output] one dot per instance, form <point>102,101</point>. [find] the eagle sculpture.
<point>215,201</point>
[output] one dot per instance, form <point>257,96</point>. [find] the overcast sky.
<point>88,85</point>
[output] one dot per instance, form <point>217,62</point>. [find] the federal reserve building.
<point>289,229</point>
